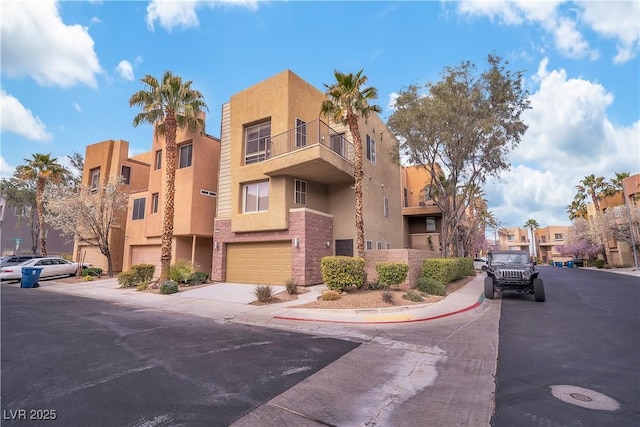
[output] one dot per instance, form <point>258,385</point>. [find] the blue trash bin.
<point>30,276</point>
<point>558,263</point>
<point>570,264</point>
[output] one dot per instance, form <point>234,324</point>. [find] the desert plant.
<point>599,263</point>
<point>392,273</point>
<point>168,287</point>
<point>264,293</point>
<point>128,279</point>
<point>92,271</point>
<point>431,286</point>
<point>330,295</point>
<point>181,271</point>
<point>292,286</point>
<point>341,272</point>
<point>413,296</point>
<point>198,278</point>
<point>376,286</point>
<point>387,296</point>
<point>142,287</point>
<point>88,278</point>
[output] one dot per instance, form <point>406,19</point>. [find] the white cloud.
<point>172,13</point>
<point>125,69</point>
<point>617,20</point>
<point>77,107</point>
<point>35,42</point>
<point>6,170</point>
<point>569,136</point>
<point>21,121</point>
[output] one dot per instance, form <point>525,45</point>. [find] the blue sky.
<point>69,68</point>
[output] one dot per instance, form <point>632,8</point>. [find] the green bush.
<point>143,272</point>
<point>330,295</point>
<point>413,296</point>
<point>92,271</point>
<point>168,287</point>
<point>599,263</point>
<point>431,286</point>
<point>264,293</point>
<point>181,271</point>
<point>341,272</point>
<point>447,270</point>
<point>128,279</point>
<point>142,287</point>
<point>391,273</point>
<point>198,278</point>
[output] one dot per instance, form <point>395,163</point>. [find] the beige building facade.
<point>285,196</point>
<point>548,240</point>
<point>422,219</point>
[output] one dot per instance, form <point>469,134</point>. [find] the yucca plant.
<point>264,293</point>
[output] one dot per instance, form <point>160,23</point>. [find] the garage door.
<point>265,262</point>
<point>146,255</point>
<point>93,256</point>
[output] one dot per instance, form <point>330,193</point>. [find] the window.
<point>371,150</point>
<point>256,139</point>
<point>405,196</point>
<point>126,174</point>
<point>543,239</point>
<point>369,245</point>
<point>301,133</point>
<point>558,236</point>
<point>255,196</point>
<point>155,201</point>
<point>337,143</point>
<point>300,196</point>
<point>138,208</point>
<point>379,245</point>
<point>94,179</point>
<point>388,246</point>
<point>158,163</point>
<point>208,193</point>
<point>511,238</point>
<point>523,239</point>
<point>186,152</point>
<point>431,223</point>
<point>386,207</point>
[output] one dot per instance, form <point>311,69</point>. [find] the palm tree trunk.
<point>40,208</point>
<point>357,173</point>
<point>171,150</point>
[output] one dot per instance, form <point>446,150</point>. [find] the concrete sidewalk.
<point>231,301</point>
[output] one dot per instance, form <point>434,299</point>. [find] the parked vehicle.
<point>512,271</point>
<point>51,267</point>
<point>480,264</point>
<point>16,259</point>
<point>578,262</point>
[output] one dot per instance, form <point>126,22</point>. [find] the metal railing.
<point>307,135</point>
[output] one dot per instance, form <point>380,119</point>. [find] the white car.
<point>51,267</point>
<point>480,264</point>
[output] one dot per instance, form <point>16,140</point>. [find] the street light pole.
<point>633,238</point>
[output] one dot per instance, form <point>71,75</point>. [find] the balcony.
<point>312,151</point>
<point>419,205</point>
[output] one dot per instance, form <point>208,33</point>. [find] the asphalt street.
<point>71,361</point>
<point>559,360</point>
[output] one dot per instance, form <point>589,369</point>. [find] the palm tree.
<point>577,209</point>
<point>168,104</point>
<point>42,169</point>
<point>346,102</point>
<point>592,187</point>
<point>615,185</point>
<point>532,225</point>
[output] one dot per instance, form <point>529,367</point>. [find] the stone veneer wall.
<point>412,257</point>
<point>313,230</point>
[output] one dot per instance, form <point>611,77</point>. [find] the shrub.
<point>292,287</point>
<point>447,270</point>
<point>376,286</point>
<point>92,271</point>
<point>88,278</point>
<point>198,278</point>
<point>330,295</point>
<point>128,279</point>
<point>264,293</point>
<point>413,296</point>
<point>431,286</point>
<point>168,287</point>
<point>392,273</point>
<point>599,263</point>
<point>341,272</point>
<point>180,271</point>
<point>142,287</point>
<point>144,272</point>
<point>387,296</point>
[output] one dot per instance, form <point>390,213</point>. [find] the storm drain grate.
<point>584,398</point>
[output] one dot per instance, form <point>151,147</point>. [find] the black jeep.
<point>512,271</point>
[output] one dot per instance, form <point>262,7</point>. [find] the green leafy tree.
<point>346,102</point>
<point>42,169</point>
<point>532,225</point>
<point>168,104</point>
<point>461,130</point>
<point>577,209</point>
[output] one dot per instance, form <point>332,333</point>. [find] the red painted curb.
<point>440,316</point>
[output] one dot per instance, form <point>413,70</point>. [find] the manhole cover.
<point>584,398</point>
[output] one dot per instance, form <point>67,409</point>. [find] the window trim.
<point>301,133</point>
<point>126,177</point>
<point>368,245</point>
<point>385,207</point>
<point>427,221</point>
<point>158,161</point>
<point>139,206</point>
<point>188,146</point>
<point>259,155</point>
<point>341,146</point>
<point>155,202</point>
<point>300,195</point>
<point>94,178</point>
<point>371,149</point>
<point>258,184</point>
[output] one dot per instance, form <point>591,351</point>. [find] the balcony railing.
<point>413,201</point>
<point>309,134</point>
